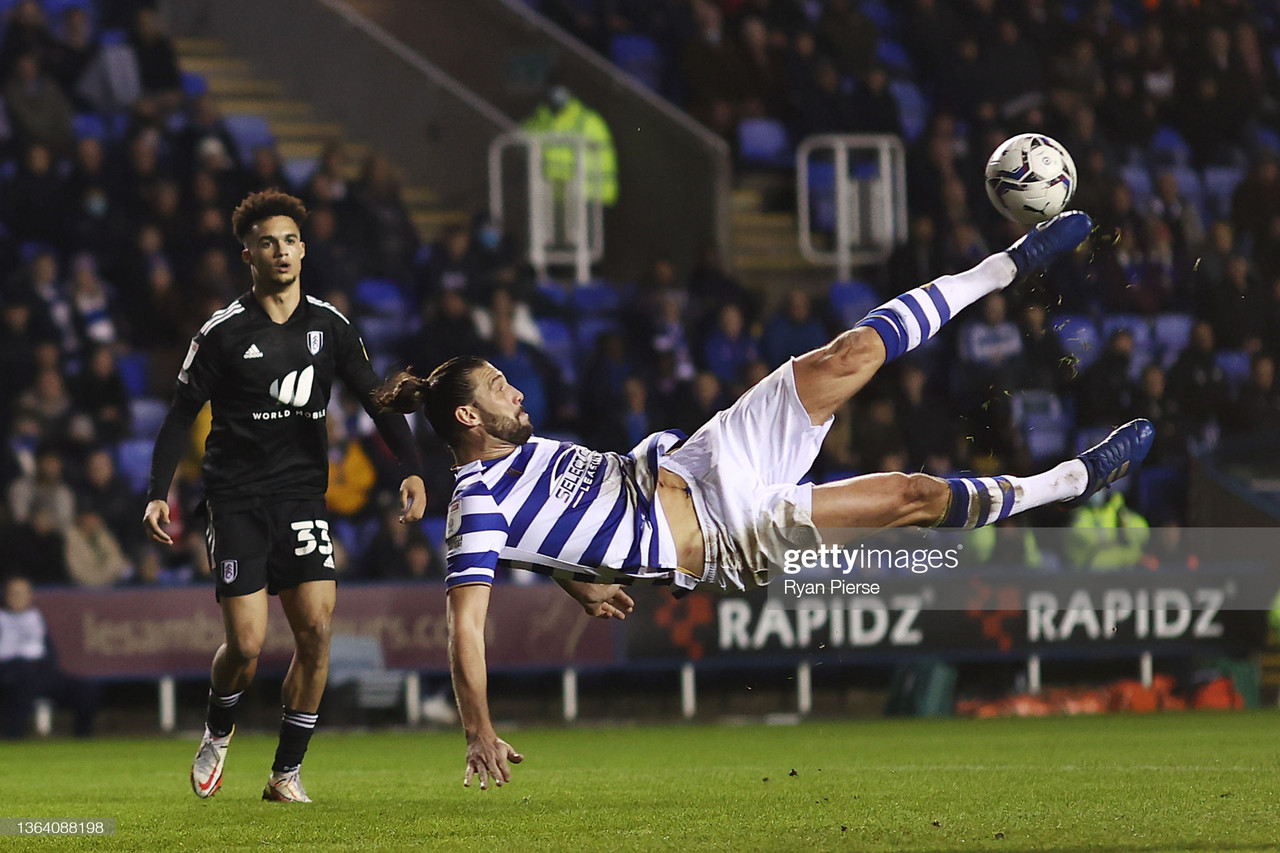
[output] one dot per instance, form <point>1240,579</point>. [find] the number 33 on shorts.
<point>307,541</point>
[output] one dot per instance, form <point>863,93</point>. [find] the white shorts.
<point>742,468</point>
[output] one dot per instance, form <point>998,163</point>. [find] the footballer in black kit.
<point>266,364</point>
<point>266,460</point>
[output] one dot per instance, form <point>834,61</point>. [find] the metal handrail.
<point>584,216</point>
<point>886,217</point>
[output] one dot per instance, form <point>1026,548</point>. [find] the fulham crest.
<point>229,571</point>
<point>315,340</point>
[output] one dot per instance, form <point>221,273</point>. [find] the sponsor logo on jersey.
<point>315,340</point>
<point>295,388</point>
<point>253,352</point>
<point>229,570</point>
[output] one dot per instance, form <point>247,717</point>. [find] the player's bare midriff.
<point>677,506</point>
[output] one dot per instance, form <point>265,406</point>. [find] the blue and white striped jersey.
<point>557,508</point>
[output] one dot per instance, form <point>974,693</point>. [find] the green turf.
<point>1172,782</point>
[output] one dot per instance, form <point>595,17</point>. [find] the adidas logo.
<point>253,352</point>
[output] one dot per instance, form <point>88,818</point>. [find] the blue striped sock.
<point>916,316</point>
<point>976,501</point>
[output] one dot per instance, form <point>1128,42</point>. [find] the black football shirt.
<point>268,385</point>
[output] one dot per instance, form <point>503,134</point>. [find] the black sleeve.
<point>357,374</point>
<point>199,374</point>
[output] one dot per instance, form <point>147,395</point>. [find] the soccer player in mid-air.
<point>719,508</point>
<point>266,364</point>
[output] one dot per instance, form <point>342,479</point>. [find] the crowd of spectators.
<point>116,230</point>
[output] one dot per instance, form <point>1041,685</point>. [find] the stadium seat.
<point>133,461</point>
<point>1220,184</point>
<point>135,371</point>
<point>596,299</point>
<point>1040,419</point>
<point>194,85</point>
<point>249,132</point>
<point>894,56</point>
<point>553,292</point>
<point>883,15</point>
<point>1169,147</point>
<point>589,331</point>
<point>639,56</point>
<point>1138,179</point>
<point>299,170</point>
<point>1268,139</point>
<point>381,296</point>
<point>851,300</point>
<point>1079,337</point>
<point>1190,186</point>
<point>146,414</point>
<point>822,194</point>
<point>116,35</point>
<point>1172,334</point>
<point>1234,365</point>
<point>382,334</point>
<point>764,142</point>
<point>557,342</point>
<point>357,661</point>
<point>433,528</point>
<point>913,108</point>
<point>89,126</point>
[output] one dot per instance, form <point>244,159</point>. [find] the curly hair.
<point>264,205</point>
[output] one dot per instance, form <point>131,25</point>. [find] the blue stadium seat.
<point>883,15</point>
<point>595,299</point>
<point>1220,184</point>
<point>1138,179</point>
<point>381,296</point>
<point>194,85</point>
<point>1041,420</point>
<point>146,414</point>
<point>1234,365</point>
<point>89,126</point>
<point>1169,147</point>
<point>589,331</point>
<point>115,35</point>
<point>764,142</point>
<point>639,56</point>
<point>894,56</point>
<point>1267,138</point>
<point>135,371</point>
<point>1172,334</point>
<point>1189,185</point>
<point>913,108</point>
<point>554,292</point>
<point>851,300</point>
<point>133,461</point>
<point>1079,337</point>
<point>557,342</point>
<point>249,132</point>
<point>822,194</point>
<point>382,334</point>
<point>300,170</point>
<point>433,528</point>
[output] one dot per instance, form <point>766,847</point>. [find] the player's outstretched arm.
<point>603,601</point>
<point>488,756</point>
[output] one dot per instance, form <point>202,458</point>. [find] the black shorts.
<point>279,546</point>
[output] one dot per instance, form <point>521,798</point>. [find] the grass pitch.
<point>1175,782</point>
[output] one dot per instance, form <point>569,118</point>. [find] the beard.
<point>507,429</point>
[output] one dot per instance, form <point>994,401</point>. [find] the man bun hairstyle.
<point>439,395</point>
<point>264,205</point>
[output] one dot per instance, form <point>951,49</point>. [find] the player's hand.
<point>603,601</point>
<point>154,520</point>
<point>487,760</point>
<point>413,499</point>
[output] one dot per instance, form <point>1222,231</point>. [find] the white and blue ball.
<point>1030,178</point>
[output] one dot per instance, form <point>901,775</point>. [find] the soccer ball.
<point>1030,178</point>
